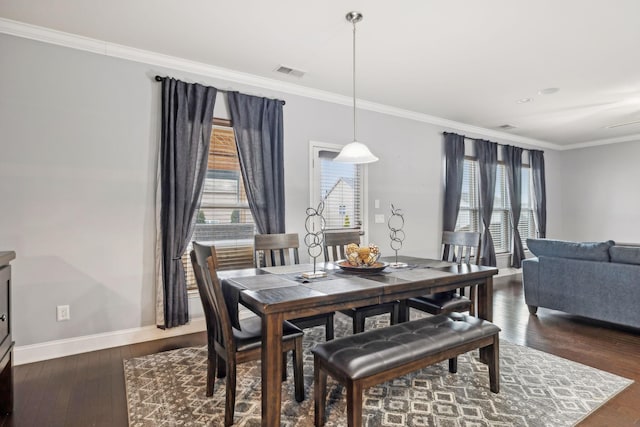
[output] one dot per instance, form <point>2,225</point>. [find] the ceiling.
<point>465,61</point>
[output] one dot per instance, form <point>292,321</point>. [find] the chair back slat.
<point>206,297</point>
<point>204,261</point>
<point>218,298</point>
<point>461,246</point>
<point>335,243</point>
<point>276,249</point>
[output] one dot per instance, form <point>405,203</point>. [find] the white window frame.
<point>315,147</point>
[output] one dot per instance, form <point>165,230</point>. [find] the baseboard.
<point>67,347</point>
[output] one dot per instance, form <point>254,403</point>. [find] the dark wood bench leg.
<point>532,309</point>
<point>354,404</point>
<point>284,366</point>
<point>453,365</point>
<point>329,328</point>
<point>403,311</point>
<point>319,392</point>
<point>395,314</point>
<point>358,323</point>
<point>493,356</point>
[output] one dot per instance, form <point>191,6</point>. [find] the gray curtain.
<point>187,116</point>
<point>513,165</point>
<point>487,155</point>
<point>454,168</point>
<point>257,124</point>
<point>536,160</point>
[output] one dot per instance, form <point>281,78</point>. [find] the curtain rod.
<point>160,78</point>
<point>502,145</point>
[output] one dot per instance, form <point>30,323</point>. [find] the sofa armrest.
<point>531,281</point>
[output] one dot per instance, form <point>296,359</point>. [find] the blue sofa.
<point>596,280</point>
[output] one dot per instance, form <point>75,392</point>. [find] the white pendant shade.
<point>355,152</point>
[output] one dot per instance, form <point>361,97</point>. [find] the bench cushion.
<point>371,352</point>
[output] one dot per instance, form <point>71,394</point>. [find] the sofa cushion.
<point>625,254</point>
<point>588,251</point>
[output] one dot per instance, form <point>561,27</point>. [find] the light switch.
<point>376,204</point>
<point>379,218</point>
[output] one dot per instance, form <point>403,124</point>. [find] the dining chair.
<point>335,243</point>
<point>457,246</point>
<point>280,249</point>
<point>233,346</point>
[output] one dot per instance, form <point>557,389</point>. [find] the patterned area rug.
<point>536,389</point>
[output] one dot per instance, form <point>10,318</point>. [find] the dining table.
<point>280,293</point>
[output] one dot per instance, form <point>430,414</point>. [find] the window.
<point>339,185</point>
<point>223,217</point>
<point>500,227</point>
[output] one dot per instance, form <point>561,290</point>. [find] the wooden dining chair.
<point>282,249</point>
<point>233,346</point>
<point>459,247</point>
<point>335,243</point>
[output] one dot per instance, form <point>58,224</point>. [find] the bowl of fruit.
<point>362,259</point>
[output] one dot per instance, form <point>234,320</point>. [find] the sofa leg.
<point>532,309</point>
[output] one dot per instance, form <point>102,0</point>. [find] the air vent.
<point>290,71</point>
<point>506,127</point>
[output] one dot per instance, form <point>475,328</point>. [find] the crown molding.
<point>73,41</point>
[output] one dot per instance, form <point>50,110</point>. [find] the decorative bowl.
<point>374,268</point>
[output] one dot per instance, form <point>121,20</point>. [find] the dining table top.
<point>284,289</point>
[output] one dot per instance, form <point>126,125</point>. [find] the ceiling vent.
<point>506,127</point>
<point>290,71</point>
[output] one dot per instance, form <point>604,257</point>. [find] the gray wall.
<point>601,194</point>
<point>77,182</point>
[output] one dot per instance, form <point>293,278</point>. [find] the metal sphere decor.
<point>314,225</point>
<point>396,224</point>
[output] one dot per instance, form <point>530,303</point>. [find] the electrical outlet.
<point>379,218</point>
<point>63,313</point>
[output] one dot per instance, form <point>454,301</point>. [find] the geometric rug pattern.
<point>536,389</point>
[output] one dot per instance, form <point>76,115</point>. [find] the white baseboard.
<point>67,347</point>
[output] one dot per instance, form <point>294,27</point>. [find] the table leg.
<point>271,368</point>
<point>485,309</point>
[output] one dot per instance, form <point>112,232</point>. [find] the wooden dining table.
<point>280,293</point>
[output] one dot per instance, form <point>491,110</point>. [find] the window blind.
<point>341,192</point>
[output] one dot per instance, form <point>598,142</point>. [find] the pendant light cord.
<point>354,80</point>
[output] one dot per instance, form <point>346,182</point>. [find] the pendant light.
<point>355,152</point>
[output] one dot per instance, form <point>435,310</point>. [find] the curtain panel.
<point>257,124</point>
<point>513,165</point>
<point>487,155</point>
<point>536,160</point>
<point>454,169</point>
<point>187,117</point>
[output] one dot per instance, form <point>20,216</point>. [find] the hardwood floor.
<point>88,389</point>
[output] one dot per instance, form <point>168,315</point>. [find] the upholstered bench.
<point>373,357</point>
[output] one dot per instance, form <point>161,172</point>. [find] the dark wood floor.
<point>88,389</point>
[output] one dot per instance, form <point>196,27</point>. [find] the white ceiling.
<point>466,61</point>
